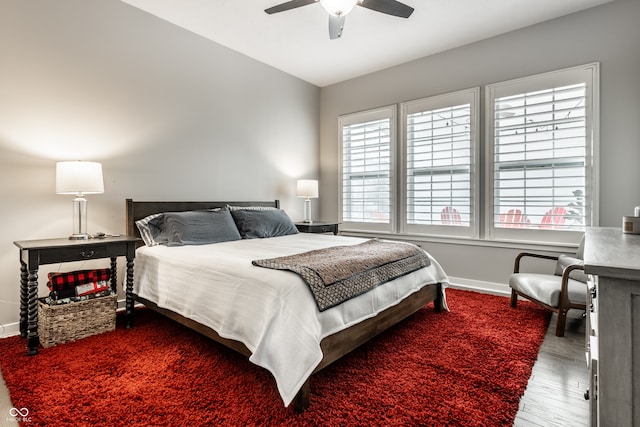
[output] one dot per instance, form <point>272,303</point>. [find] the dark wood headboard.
<point>139,210</point>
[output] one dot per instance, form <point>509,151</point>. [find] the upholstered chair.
<point>559,292</point>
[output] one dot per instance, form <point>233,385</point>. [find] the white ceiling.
<point>297,41</point>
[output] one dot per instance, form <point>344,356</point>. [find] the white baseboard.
<point>9,330</point>
<point>501,289</point>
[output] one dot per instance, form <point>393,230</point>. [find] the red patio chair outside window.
<point>450,216</point>
<point>514,219</point>
<point>554,218</point>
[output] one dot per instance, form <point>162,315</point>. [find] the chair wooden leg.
<point>562,321</point>
<point>514,298</point>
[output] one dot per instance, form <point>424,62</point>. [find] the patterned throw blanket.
<point>339,273</point>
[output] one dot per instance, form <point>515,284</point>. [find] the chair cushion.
<point>566,260</point>
<point>546,288</point>
<point>580,252</point>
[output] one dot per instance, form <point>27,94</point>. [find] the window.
<point>440,156</point>
<point>540,134</point>
<point>367,176</point>
<point>538,170</point>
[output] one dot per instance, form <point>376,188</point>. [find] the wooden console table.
<point>34,253</point>
<point>613,334</point>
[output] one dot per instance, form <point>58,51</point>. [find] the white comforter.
<point>272,312</point>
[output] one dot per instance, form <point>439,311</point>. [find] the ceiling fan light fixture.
<point>338,7</point>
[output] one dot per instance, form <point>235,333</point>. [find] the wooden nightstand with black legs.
<point>34,253</point>
<point>317,227</point>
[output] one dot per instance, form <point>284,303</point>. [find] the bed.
<point>267,315</point>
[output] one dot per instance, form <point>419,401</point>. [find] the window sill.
<point>487,243</point>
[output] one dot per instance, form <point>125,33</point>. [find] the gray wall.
<point>169,114</point>
<point>609,34</point>
<point>174,116</point>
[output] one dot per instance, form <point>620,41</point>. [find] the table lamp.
<point>307,188</point>
<point>79,178</point>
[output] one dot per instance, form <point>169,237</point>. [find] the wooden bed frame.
<point>333,346</point>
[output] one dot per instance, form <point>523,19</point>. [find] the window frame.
<point>468,96</point>
<point>388,112</point>
<point>589,74</point>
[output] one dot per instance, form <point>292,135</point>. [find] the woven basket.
<point>62,323</point>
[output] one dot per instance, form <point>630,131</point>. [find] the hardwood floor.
<point>554,395</point>
<point>6,418</point>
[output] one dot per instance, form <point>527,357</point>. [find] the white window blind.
<point>439,137</point>
<point>367,177</point>
<point>542,154</point>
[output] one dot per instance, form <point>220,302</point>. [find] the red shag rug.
<point>466,367</point>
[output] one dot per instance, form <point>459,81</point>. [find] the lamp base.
<point>307,211</point>
<point>79,218</point>
<point>79,237</point>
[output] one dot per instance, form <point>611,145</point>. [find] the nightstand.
<point>317,227</point>
<point>34,253</point>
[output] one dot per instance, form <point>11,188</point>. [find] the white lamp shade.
<point>78,177</point>
<point>338,7</point>
<point>307,188</point>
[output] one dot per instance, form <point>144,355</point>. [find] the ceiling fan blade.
<point>336,24</point>
<point>289,5</point>
<point>390,7</point>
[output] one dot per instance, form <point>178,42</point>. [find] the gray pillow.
<point>151,229</point>
<point>257,224</point>
<point>564,261</point>
<point>199,227</point>
<point>250,208</point>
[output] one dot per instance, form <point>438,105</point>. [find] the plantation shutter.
<point>366,175</point>
<point>542,157</point>
<point>440,135</point>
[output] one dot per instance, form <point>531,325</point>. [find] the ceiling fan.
<point>338,9</point>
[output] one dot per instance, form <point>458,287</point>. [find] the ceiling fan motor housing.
<point>338,7</point>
